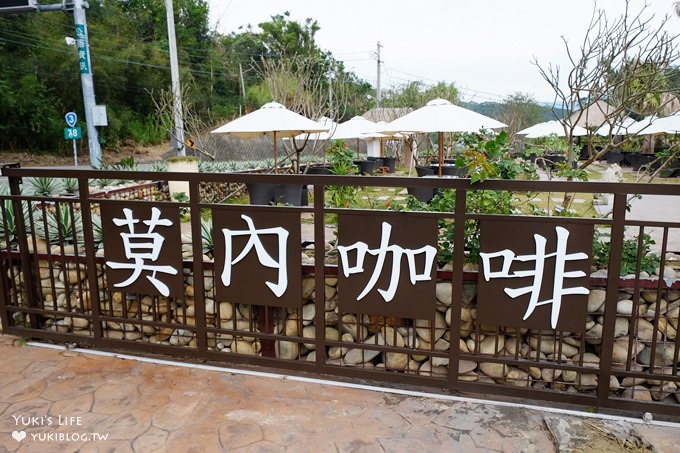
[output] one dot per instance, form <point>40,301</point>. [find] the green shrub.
<point>649,261</point>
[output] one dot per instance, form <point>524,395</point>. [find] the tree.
<point>519,111</point>
<point>622,63</point>
<point>416,94</point>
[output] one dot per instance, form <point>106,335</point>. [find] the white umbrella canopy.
<point>325,122</point>
<point>359,128</point>
<point>618,128</point>
<point>440,115</point>
<point>665,125</point>
<point>271,119</point>
<point>548,128</point>
<point>640,127</point>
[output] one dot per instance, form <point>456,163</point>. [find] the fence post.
<point>26,261</point>
<point>457,284</point>
<point>612,296</point>
<point>319,275</point>
<point>90,253</point>
<point>199,275</point>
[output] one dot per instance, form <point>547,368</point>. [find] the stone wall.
<point>645,331</point>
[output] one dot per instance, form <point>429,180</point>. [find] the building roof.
<point>386,114</point>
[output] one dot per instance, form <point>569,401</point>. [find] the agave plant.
<point>8,220</point>
<point>70,185</point>
<point>97,232</point>
<point>8,223</point>
<point>159,167</point>
<point>207,236</point>
<point>43,185</point>
<point>62,224</point>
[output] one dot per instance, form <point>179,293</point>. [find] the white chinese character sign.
<point>258,257</point>
<point>143,250</point>
<point>387,265</point>
<point>534,275</point>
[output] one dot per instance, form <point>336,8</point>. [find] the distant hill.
<point>492,108</point>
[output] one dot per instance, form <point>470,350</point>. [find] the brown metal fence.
<point>54,287</point>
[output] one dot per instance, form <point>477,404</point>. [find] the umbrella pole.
<point>276,165</point>
<point>440,154</point>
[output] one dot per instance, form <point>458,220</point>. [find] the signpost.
<point>72,132</point>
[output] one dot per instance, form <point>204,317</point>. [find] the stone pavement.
<point>54,399</point>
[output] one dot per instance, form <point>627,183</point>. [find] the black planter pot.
<point>289,194</point>
<point>391,164</point>
<point>260,193</point>
<point>366,167</point>
<point>640,160</point>
<point>614,157</point>
<point>379,162</point>
<point>450,170</point>
<point>424,171</point>
<point>319,170</point>
<point>424,194</point>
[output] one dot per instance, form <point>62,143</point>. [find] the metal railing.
<point>54,287</point>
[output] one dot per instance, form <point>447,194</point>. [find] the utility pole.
<point>87,82</point>
<point>378,94</point>
<point>178,134</point>
<point>243,83</point>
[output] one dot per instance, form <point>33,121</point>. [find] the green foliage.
<point>415,94</point>
<point>649,261</point>
<point>8,221</point>
<point>341,158</point>
<point>147,130</point>
<point>207,236</point>
<point>519,111</point>
<point>489,156</point>
<point>63,224</point>
<point>184,211</point>
<point>39,76</point>
<point>478,202</point>
<point>43,185</point>
<point>70,185</point>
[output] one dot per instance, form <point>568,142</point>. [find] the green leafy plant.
<point>207,236</point>
<point>61,224</point>
<point>479,202</point>
<point>341,159</point>
<point>43,185</point>
<point>649,261</point>
<point>70,185</point>
<point>159,167</point>
<point>8,221</point>
<point>184,211</point>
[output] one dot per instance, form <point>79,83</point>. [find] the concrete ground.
<point>54,399</point>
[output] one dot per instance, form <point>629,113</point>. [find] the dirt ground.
<point>109,156</point>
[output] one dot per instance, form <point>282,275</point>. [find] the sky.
<point>485,47</point>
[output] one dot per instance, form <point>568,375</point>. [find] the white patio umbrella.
<point>325,122</point>
<point>358,128</point>
<point>617,128</point>
<point>440,115</point>
<point>548,128</point>
<point>270,119</point>
<point>640,127</point>
<point>665,125</point>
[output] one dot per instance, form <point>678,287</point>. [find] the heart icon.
<point>19,435</point>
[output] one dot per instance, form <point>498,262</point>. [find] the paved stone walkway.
<point>58,400</point>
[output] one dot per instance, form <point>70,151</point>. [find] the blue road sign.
<point>71,119</point>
